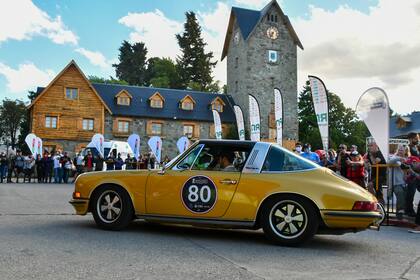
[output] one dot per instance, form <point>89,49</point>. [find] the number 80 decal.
<point>199,194</point>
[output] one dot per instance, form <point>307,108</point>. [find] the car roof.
<point>234,143</point>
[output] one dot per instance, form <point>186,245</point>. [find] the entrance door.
<point>201,184</point>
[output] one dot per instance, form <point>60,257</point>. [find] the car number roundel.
<point>199,194</point>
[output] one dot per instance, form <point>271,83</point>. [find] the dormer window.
<point>156,100</point>
<point>187,103</point>
<point>124,98</point>
<point>217,104</point>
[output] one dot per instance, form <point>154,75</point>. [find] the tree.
<point>132,65</point>
<point>194,64</point>
<point>110,80</point>
<point>344,126</point>
<point>162,72</point>
<point>12,114</point>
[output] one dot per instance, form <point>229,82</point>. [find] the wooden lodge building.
<point>71,109</point>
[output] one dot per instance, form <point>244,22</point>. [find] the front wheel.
<point>289,220</point>
<point>112,208</point>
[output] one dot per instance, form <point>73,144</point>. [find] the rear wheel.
<point>112,208</point>
<point>289,220</point>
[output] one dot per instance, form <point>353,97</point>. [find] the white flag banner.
<point>239,122</point>
<point>38,146</point>
<point>373,109</point>
<point>217,125</point>
<point>134,143</point>
<point>155,144</point>
<point>320,100</point>
<point>254,119</point>
<point>98,142</point>
<point>278,114</point>
<point>183,143</point>
<point>30,140</point>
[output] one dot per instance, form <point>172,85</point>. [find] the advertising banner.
<point>254,119</point>
<point>155,145</point>
<point>278,114</point>
<point>134,143</point>
<point>183,143</point>
<point>320,100</point>
<point>373,109</point>
<point>217,125</point>
<point>239,122</point>
<point>98,142</point>
<point>31,141</point>
<point>38,146</point>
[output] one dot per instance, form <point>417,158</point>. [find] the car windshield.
<point>281,160</point>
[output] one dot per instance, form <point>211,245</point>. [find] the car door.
<point>197,186</point>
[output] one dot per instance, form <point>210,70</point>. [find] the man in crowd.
<point>66,166</point>
<point>310,155</point>
<point>374,157</point>
<point>48,163</point>
<point>19,161</point>
<point>298,148</point>
<point>3,166</point>
<point>341,160</point>
<point>414,144</point>
<point>99,163</point>
<point>28,168</point>
<point>78,161</point>
<point>58,176</point>
<point>119,162</point>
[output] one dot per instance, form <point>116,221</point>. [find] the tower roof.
<point>248,19</point>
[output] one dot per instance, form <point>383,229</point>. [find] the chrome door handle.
<point>228,182</point>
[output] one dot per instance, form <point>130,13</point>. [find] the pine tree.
<point>132,65</point>
<point>194,65</point>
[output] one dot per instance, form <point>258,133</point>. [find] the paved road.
<point>40,238</point>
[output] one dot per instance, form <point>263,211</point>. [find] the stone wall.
<point>254,75</point>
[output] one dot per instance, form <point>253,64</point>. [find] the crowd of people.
<point>58,167</point>
<point>370,171</point>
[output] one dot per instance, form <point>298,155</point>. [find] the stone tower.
<point>261,50</point>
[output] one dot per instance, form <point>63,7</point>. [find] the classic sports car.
<point>231,184</point>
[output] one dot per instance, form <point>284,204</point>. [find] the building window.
<point>87,124</point>
<point>236,86</point>
<point>275,18</point>
<point>156,103</point>
<point>187,105</point>
<point>156,129</point>
<point>50,122</point>
<point>123,100</point>
<point>236,62</point>
<point>123,126</point>
<point>189,130</point>
<point>72,93</point>
<point>272,18</point>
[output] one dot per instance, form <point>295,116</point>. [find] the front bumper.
<point>81,205</point>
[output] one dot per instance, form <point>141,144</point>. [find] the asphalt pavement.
<point>40,238</point>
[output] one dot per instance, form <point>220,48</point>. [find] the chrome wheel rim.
<point>109,206</point>
<point>288,219</point>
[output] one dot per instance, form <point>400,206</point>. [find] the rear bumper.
<point>350,219</point>
<point>81,205</point>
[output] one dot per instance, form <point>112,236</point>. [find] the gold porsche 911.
<point>231,184</point>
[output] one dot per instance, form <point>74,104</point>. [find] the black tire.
<point>105,201</point>
<point>289,220</point>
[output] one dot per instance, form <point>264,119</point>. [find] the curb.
<point>399,223</point>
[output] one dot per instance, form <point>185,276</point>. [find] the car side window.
<point>280,160</point>
<point>227,158</point>
<point>188,161</point>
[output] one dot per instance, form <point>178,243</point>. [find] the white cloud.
<point>22,20</point>
<point>353,51</point>
<point>257,4</point>
<point>156,30</point>
<point>95,58</point>
<point>26,77</point>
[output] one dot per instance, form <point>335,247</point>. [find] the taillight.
<point>365,206</point>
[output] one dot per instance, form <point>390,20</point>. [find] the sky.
<point>352,45</point>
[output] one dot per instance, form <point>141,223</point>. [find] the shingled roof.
<point>140,106</point>
<point>412,124</point>
<point>247,20</point>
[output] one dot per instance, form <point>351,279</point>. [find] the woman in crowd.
<point>397,175</point>
<point>28,167</point>
<point>39,168</point>
<point>48,163</point>
<point>88,161</point>
<point>356,168</point>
